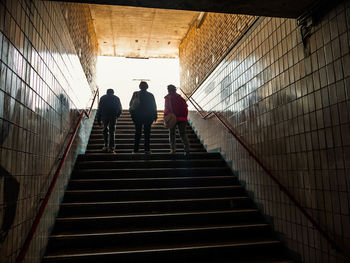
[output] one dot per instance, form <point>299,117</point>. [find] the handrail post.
<point>44,203</point>
<point>267,171</point>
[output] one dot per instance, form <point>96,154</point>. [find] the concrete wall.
<point>46,76</point>
<point>80,25</point>
<point>291,108</point>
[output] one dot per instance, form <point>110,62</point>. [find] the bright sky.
<point>124,74</point>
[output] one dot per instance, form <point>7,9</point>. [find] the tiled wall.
<point>292,108</point>
<point>206,44</point>
<point>41,75</point>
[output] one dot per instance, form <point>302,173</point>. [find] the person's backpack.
<point>135,102</point>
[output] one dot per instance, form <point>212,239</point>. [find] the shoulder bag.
<point>170,120</point>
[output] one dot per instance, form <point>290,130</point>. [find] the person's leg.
<point>111,127</point>
<point>147,134</point>
<point>172,139</point>
<point>138,129</point>
<point>105,134</point>
<point>182,128</point>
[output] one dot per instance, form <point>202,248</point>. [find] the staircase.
<point>158,207</point>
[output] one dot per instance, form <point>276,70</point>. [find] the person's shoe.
<point>172,151</point>
<point>111,150</point>
<point>105,149</point>
<point>135,152</point>
<point>187,155</point>
<point>148,152</point>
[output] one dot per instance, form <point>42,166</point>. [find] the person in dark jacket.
<point>176,104</point>
<point>143,110</point>
<point>109,110</point>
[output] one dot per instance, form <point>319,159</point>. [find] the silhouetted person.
<point>109,110</point>
<point>143,110</point>
<point>176,104</point>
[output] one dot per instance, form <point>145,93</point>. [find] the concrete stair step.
<point>158,237</point>
<point>132,127</point>
<point>164,182</point>
<point>115,164</point>
<point>154,172</point>
<point>77,209</point>
<point>141,221</point>
<point>131,130</point>
<point>152,146</point>
<point>153,193</point>
<point>131,136</point>
<point>154,156</point>
<point>159,151</point>
<point>100,141</point>
<point>215,251</point>
<point>122,121</point>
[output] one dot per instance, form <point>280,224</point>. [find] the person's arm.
<point>186,107</point>
<point>99,112</point>
<point>166,106</point>
<point>132,98</point>
<point>154,108</point>
<point>119,108</point>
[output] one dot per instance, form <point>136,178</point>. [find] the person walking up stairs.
<point>175,104</point>
<point>109,110</point>
<point>143,112</point>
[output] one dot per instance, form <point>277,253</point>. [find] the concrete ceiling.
<point>134,28</point>
<point>276,8</point>
<point>140,32</point>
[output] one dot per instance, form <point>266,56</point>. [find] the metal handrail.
<point>43,205</point>
<point>267,171</point>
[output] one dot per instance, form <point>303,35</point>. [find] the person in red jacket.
<point>176,104</point>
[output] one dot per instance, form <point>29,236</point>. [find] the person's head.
<point>143,85</point>
<point>171,88</point>
<point>110,91</point>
